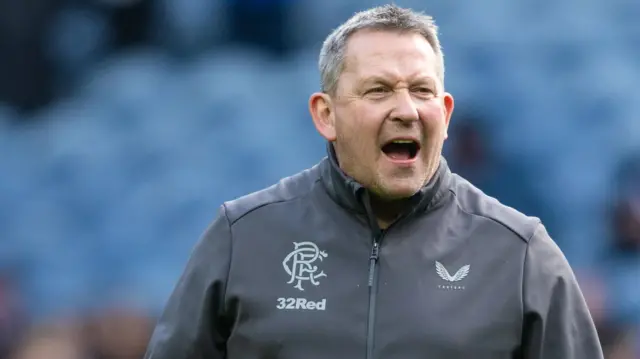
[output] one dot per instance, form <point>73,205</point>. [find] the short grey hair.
<point>387,17</point>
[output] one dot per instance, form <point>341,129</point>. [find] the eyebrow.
<point>377,79</point>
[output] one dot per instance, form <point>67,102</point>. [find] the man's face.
<point>390,114</point>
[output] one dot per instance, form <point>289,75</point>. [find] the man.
<point>378,251</point>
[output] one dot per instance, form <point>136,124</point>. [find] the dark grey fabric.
<point>291,272</point>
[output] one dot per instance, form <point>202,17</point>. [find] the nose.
<point>404,109</point>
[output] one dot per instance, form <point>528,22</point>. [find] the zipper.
<point>373,291</point>
<point>377,234</point>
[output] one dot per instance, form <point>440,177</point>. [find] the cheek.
<point>361,124</point>
<point>432,115</point>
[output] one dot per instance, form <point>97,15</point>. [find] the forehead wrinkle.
<point>367,65</point>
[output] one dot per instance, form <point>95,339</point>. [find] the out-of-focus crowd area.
<point>125,123</point>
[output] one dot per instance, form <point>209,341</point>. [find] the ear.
<point>321,109</point>
<point>449,104</point>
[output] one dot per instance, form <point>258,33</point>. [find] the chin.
<point>396,192</point>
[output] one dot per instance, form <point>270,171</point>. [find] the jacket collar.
<point>352,195</point>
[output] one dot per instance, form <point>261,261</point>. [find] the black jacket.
<point>301,270</point>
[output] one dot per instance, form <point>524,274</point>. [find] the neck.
<point>386,211</point>
<point>348,192</point>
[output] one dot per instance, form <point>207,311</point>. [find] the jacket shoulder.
<point>286,189</point>
<point>474,201</point>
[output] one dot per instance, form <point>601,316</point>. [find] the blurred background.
<point>124,124</point>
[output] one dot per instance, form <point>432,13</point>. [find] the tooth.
<point>402,141</point>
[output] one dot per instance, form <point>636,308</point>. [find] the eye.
<point>377,90</point>
<point>424,90</point>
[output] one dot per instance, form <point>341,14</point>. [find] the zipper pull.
<point>373,259</point>
<point>375,251</point>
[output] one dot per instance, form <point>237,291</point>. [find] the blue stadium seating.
<point>113,186</point>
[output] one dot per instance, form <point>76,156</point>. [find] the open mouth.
<point>401,150</point>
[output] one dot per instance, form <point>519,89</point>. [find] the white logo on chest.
<point>444,274</point>
<point>299,264</point>
<point>301,304</point>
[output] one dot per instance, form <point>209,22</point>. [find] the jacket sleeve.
<point>557,322</point>
<point>193,324</point>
